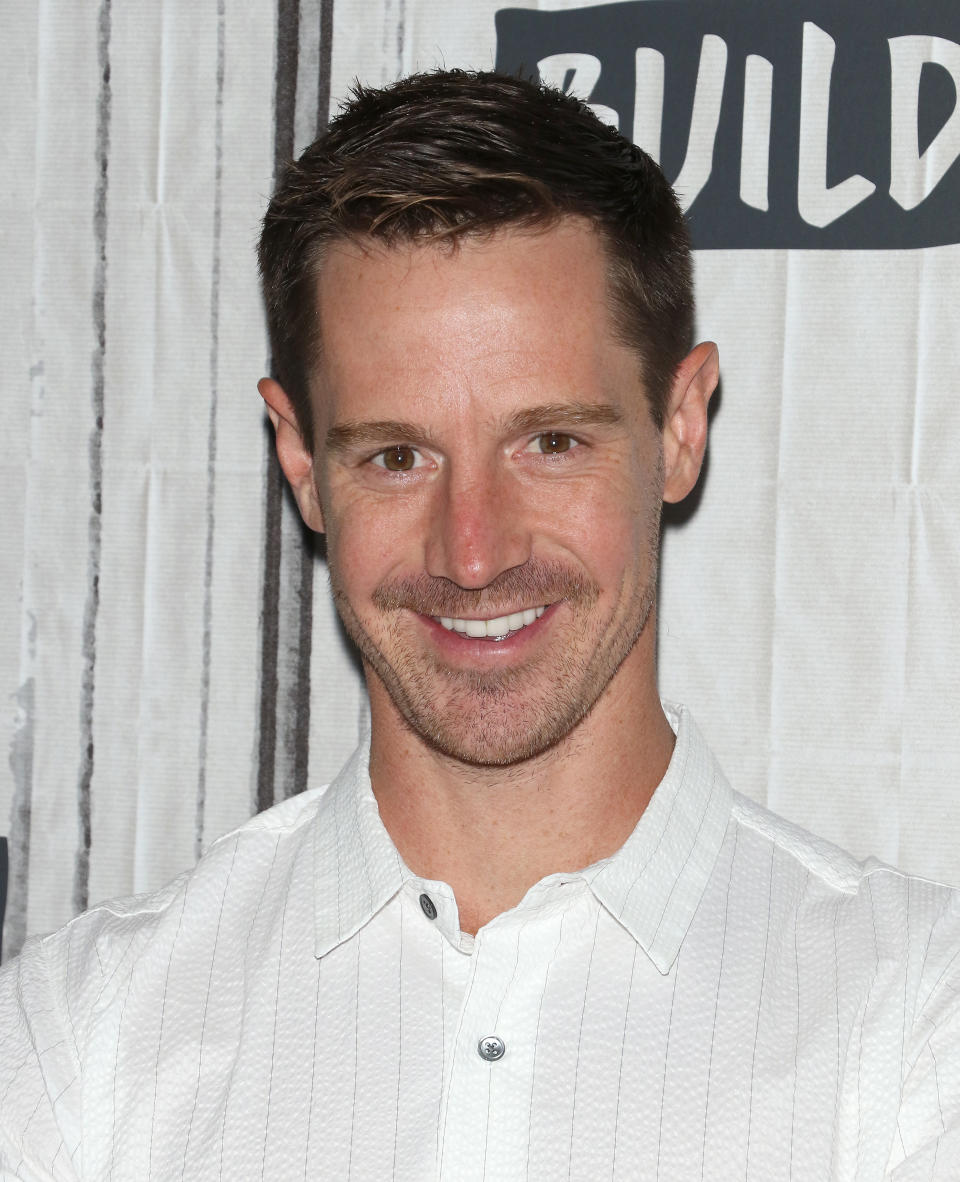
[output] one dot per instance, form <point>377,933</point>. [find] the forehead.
<point>483,320</point>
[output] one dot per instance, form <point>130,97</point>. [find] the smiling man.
<point>529,931</point>
<point>489,473</point>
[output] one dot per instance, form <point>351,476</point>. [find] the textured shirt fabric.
<point>725,998</point>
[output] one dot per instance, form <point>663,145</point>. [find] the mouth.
<point>498,628</point>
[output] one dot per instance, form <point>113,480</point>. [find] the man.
<point>529,931</point>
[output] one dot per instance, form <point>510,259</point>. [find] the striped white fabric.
<point>727,997</point>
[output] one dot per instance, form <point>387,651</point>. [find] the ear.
<point>685,429</point>
<point>295,459</point>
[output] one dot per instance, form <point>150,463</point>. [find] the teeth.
<point>499,627</point>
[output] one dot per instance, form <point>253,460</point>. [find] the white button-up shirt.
<point>725,998</point>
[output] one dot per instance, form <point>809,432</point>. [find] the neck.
<point>492,832</point>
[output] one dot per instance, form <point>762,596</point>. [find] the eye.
<point>552,443</point>
<point>398,459</point>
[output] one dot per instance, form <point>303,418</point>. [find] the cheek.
<point>366,545</point>
<point>608,525</point>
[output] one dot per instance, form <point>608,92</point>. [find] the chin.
<point>490,721</point>
<point>491,743</point>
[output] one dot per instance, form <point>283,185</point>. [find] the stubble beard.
<point>500,717</point>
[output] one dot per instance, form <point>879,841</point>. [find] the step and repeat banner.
<point>169,656</point>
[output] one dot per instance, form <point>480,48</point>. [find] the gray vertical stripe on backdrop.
<point>297,731</point>
<point>269,630</point>
<point>326,56</point>
<point>289,549</point>
<point>211,432</point>
<point>302,736</point>
<point>285,92</point>
<point>21,764</point>
<point>298,544</point>
<point>300,707</point>
<point>81,875</point>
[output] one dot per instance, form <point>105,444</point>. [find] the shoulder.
<point>246,868</point>
<point>833,867</point>
<point>126,961</point>
<point>906,921</point>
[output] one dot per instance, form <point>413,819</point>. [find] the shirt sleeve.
<point>39,1075</point>
<point>927,1144</point>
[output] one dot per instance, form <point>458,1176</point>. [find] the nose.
<point>477,528</point>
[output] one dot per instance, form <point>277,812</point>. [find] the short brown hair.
<point>452,152</point>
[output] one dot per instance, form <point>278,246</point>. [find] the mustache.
<point>531,585</point>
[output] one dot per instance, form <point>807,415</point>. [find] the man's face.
<point>485,458</point>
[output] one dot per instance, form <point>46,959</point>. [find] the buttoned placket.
<point>512,1000</point>
<point>491,1059</point>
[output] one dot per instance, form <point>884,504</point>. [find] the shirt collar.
<point>357,868</point>
<point>652,885</point>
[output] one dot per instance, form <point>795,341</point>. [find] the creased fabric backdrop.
<point>170,659</point>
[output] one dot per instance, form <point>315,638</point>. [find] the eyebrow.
<point>344,436</point>
<point>563,414</point>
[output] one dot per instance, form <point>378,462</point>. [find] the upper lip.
<point>494,615</point>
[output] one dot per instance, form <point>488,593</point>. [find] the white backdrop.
<point>169,657</point>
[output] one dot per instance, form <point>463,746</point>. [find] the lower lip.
<point>476,648</point>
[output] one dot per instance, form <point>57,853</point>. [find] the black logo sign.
<point>812,123</point>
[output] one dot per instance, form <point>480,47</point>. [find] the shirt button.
<point>428,907</point>
<point>491,1048</point>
